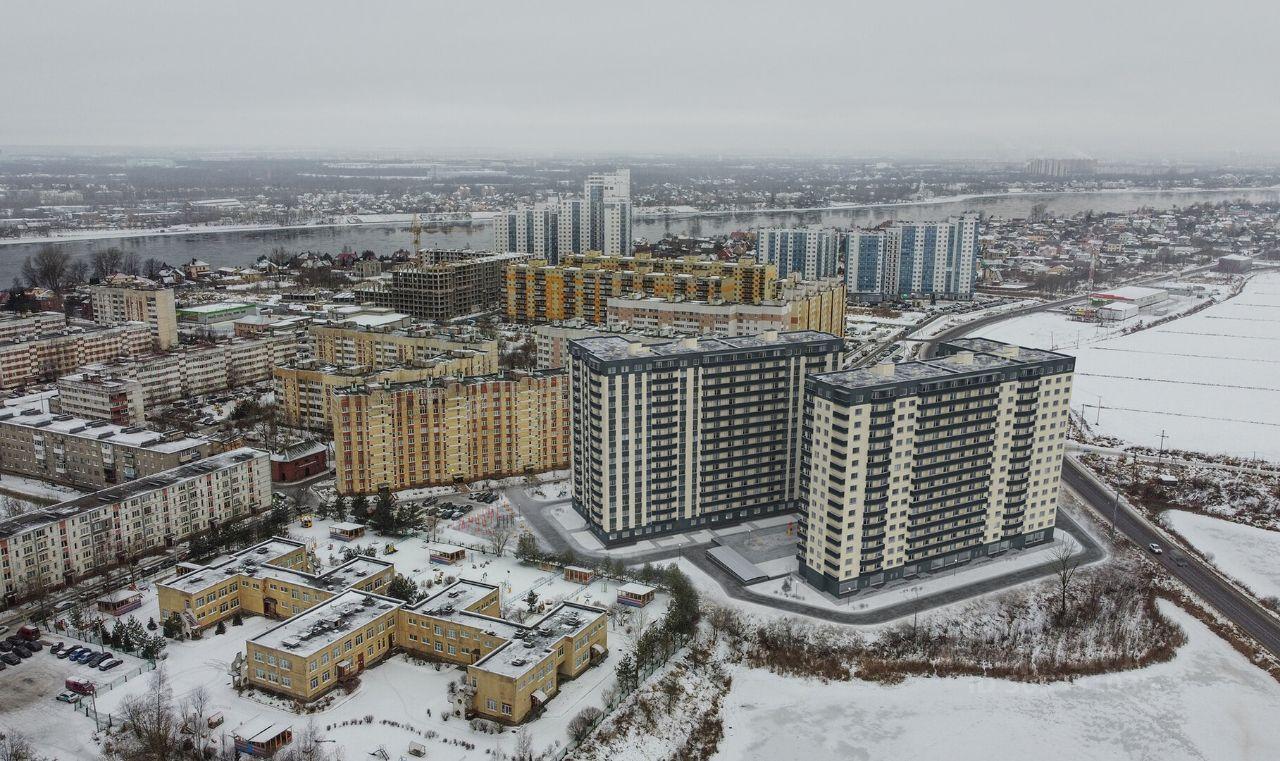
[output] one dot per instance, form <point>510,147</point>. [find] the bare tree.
<point>106,262</point>
<point>1065,564</point>
<point>47,268</point>
<point>309,746</point>
<point>523,750</point>
<point>195,716</point>
<point>500,536</point>
<point>150,727</point>
<point>431,525</point>
<point>14,746</point>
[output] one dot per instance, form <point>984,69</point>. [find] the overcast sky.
<point>844,78</point>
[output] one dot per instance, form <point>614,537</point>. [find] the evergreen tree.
<point>527,548</point>
<point>222,628</point>
<point>151,624</point>
<point>172,626</point>
<point>531,599</point>
<point>403,588</point>
<point>408,517</point>
<point>360,508</point>
<point>340,508</point>
<point>628,675</point>
<point>322,511</point>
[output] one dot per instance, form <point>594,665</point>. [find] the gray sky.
<point>966,79</point>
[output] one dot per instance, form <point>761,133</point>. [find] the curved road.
<point>1233,604</point>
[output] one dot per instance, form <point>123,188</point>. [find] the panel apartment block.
<point>915,467</point>
<point>125,298</point>
<point>908,259</point>
<point>689,434</point>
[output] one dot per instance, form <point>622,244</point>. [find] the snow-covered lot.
<point>1209,381</point>
<point>1208,703</point>
<point>1245,553</point>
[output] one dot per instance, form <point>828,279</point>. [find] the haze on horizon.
<point>986,79</point>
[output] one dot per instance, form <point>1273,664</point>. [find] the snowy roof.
<point>346,526</point>
<point>1130,292</point>
<point>317,628</point>
<point>534,643</point>
<point>632,588</point>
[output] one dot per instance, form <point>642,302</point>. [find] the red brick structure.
<point>299,461</point>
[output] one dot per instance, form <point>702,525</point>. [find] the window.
<point>492,704</point>
<point>439,647</point>
<point>506,708</point>
<point>314,682</point>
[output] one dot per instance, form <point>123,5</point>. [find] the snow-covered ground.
<point>397,690</point>
<point>1245,553</point>
<point>37,490</point>
<point>1208,381</point>
<point>1208,703</point>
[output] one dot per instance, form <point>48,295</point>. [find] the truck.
<point>29,632</point>
<point>81,686</point>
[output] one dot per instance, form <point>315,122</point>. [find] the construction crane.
<point>416,229</point>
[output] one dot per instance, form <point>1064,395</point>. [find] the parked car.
<point>3,628</point>
<point>67,696</point>
<point>5,646</point>
<point>29,632</point>
<point>81,686</point>
<point>1155,549</point>
<point>97,660</point>
<point>56,648</point>
<point>34,646</point>
<point>109,664</point>
<point>10,659</point>
<point>82,656</point>
<point>70,651</point>
<point>21,651</point>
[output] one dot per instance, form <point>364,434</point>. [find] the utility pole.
<point>1162,438</point>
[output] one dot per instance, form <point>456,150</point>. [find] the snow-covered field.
<point>1245,553</point>
<point>1209,381</point>
<point>1208,703</point>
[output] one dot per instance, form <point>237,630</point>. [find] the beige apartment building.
<point>801,305</point>
<point>127,298</point>
<point>553,340</point>
<point>450,430</point>
<point>100,396</point>
<point>71,540</point>
<point>47,356</point>
<point>916,467</point>
<point>87,454</point>
<point>582,284</point>
<point>347,345</point>
<point>305,388</point>
<point>689,434</point>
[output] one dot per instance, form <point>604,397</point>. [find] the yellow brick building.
<point>376,348</point>
<point>582,284</point>
<point>403,435</point>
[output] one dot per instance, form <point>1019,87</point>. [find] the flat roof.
<point>1130,292</point>
<point>317,628</point>
<point>533,643</point>
<point>457,597</point>
<point>30,413</point>
<point>221,306</point>
<point>617,348</point>
<point>122,492</point>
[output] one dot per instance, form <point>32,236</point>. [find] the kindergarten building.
<point>337,624</point>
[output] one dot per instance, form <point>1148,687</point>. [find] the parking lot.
<point>32,686</point>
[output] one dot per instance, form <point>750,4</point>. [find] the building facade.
<point>347,345</point>
<point>87,454</point>
<point>580,288</point>
<point>448,284</point>
<point>689,434</point>
<point>916,467</point>
<point>48,356</point>
<point>99,396</point>
<point>66,542</point>
<point>450,430</point>
<point>912,259</point>
<point>15,325</point>
<point>532,230</point>
<point>801,305</point>
<point>125,298</point>
<point>811,252</point>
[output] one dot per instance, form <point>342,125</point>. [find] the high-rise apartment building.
<point>581,286</point>
<point>907,259</point>
<point>916,467</point>
<point>449,430</point>
<point>813,252</point>
<point>608,207</point>
<point>1062,167</point>
<point>448,284</point>
<point>128,298</point>
<point>689,434</point>
<point>530,230</point>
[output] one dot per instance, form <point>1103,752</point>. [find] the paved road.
<point>1236,606</point>
<point>535,513</point>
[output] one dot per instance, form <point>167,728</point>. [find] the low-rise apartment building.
<point>128,298</point>
<point>87,454</point>
<point>100,396</point>
<point>14,325</point>
<point>449,430</point>
<point>48,356</point>
<point>692,433</point>
<point>582,284</point>
<point>915,467</point>
<point>71,540</point>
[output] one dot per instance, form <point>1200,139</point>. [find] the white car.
<point>67,696</point>
<point>1155,549</point>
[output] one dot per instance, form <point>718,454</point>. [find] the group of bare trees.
<point>54,268</point>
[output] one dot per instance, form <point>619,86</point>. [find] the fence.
<point>619,696</point>
<point>89,704</point>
